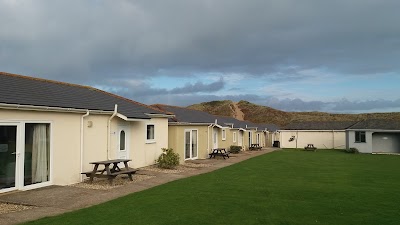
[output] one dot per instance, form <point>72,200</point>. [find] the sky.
<point>295,55</point>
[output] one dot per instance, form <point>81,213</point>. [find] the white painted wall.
<point>320,139</point>
<point>362,147</point>
<point>66,140</point>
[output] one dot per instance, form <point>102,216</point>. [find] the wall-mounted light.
<point>90,123</point>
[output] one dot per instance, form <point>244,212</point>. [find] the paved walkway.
<point>54,200</point>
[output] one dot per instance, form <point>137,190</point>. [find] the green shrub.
<point>235,149</point>
<point>168,159</point>
<point>352,150</point>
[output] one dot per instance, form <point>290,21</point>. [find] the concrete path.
<point>54,200</point>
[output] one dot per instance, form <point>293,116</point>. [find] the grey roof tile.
<point>23,90</point>
<point>377,124</point>
<point>185,115</point>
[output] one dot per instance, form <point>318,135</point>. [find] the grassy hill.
<point>263,114</point>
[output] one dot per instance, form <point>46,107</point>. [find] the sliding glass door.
<point>8,153</point>
<point>37,153</point>
<point>191,144</point>
<point>24,155</point>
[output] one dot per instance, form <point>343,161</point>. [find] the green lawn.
<point>283,187</point>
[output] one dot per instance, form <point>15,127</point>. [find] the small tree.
<point>168,159</point>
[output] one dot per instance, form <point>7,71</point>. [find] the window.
<point>37,153</point>
<point>234,136</point>
<point>250,137</point>
<point>360,136</point>
<point>122,140</point>
<point>150,132</point>
<point>223,134</point>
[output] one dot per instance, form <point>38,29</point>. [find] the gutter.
<point>109,131</point>
<point>49,108</point>
<point>159,115</point>
<point>82,142</point>
<point>188,123</point>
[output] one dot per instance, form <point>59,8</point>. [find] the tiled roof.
<point>23,90</point>
<point>376,124</point>
<point>327,125</point>
<point>185,115</point>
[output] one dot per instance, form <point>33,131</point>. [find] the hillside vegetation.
<point>264,114</point>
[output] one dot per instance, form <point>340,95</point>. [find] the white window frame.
<point>150,141</point>
<point>19,173</point>
<point>197,147</point>
<point>234,138</point>
<point>223,134</point>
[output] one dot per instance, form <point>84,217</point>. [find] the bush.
<point>235,149</point>
<point>352,150</point>
<point>168,159</point>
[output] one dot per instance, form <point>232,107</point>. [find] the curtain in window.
<point>39,154</point>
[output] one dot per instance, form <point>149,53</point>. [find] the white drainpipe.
<point>109,131</point>
<point>208,137</point>
<point>82,138</point>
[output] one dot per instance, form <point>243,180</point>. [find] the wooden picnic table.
<point>110,172</point>
<point>310,147</point>
<point>219,152</point>
<point>255,147</point>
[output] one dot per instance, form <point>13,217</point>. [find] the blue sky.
<point>334,56</point>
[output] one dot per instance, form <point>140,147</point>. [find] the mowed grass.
<point>283,187</point>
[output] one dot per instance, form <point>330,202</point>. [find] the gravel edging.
<point>102,184</point>
<point>179,169</point>
<point>9,207</point>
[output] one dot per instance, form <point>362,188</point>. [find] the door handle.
<point>15,153</point>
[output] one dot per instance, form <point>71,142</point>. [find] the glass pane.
<point>122,140</point>
<point>362,134</point>
<point>8,143</point>
<point>194,143</point>
<point>37,153</point>
<point>150,132</point>
<point>187,145</point>
<point>249,138</point>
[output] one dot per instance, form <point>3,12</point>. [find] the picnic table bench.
<point>110,173</point>
<point>310,147</point>
<point>219,152</point>
<point>255,147</point>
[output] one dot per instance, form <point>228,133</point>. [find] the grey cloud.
<point>142,88</point>
<point>199,87</point>
<point>84,40</point>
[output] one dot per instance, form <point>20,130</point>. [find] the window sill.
<point>150,141</point>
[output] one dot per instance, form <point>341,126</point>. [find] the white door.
<point>8,156</point>
<point>123,142</point>
<point>191,149</point>
<point>240,138</point>
<point>215,138</point>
